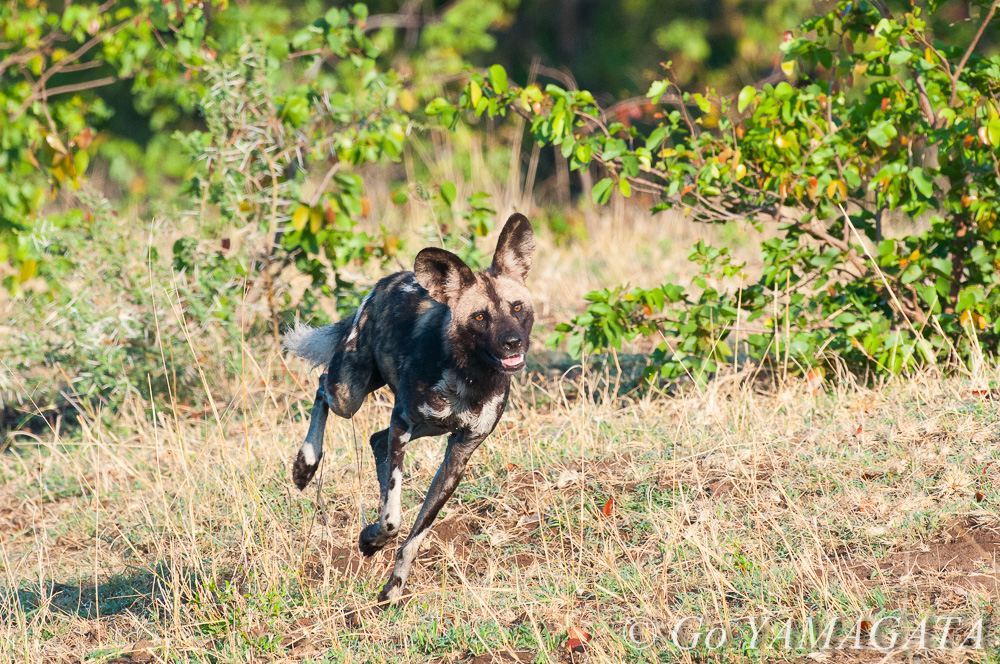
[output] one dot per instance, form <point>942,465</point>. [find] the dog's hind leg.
<point>311,451</point>
<point>389,447</point>
<point>456,457</point>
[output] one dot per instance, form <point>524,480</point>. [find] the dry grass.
<point>727,503</point>
<point>175,533</point>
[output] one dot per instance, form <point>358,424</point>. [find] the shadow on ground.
<point>141,594</point>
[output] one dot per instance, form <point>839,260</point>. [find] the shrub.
<point>876,116</point>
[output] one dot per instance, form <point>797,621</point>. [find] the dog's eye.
<point>517,307</point>
<point>479,317</point>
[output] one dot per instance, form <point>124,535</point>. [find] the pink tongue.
<point>510,362</point>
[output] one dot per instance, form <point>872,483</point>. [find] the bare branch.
<point>326,180</point>
<point>968,52</point>
<point>38,88</point>
<point>77,87</point>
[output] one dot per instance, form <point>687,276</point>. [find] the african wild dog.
<point>445,341</point>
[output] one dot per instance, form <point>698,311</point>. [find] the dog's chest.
<point>454,404</point>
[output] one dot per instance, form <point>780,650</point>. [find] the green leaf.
<point>747,95</point>
<point>498,77</point>
<point>882,133</point>
<point>900,56</point>
<point>911,274</point>
<point>921,182</point>
<point>656,138</point>
<point>436,105</point>
<point>296,111</point>
<point>448,192</point>
<point>969,297</point>
<point>625,187</point>
<point>993,132</point>
<point>656,90</point>
<point>80,161</point>
<point>475,93</point>
<point>703,103</point>
<point>630,165</point>
<point>602,191</point>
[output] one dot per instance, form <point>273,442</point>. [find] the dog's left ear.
<point>442,273</point>
<point>514,248</point>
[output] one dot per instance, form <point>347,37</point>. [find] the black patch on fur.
<point>302,472</point>
<point>442,273</point>
<point>491,291</point>
<point>383,597</point>
<point>372,540</point>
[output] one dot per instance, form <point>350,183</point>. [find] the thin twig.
<point>77,87</point>
<point>968,53</point>
<point>322,185</point>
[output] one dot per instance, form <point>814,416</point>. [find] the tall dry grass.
<point>174,531</point>
<point>183,536</point>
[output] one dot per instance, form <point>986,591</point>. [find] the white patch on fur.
<point>406,557</point>
<point>314,344</point>
<point>395,592</point>
<point>459,399</point>
<point>482,422</point>
<point>308,453</point>
<point>357,314</point>
<point>353,335</point>
<point>430,412</point>
<point>410,287</point>
<point>392,514</point>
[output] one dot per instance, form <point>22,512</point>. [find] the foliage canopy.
<point>268,114</point>
<point>881,118</point>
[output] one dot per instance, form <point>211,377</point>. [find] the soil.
<point>964,555</point>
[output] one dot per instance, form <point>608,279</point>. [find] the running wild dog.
<point>446,341</point>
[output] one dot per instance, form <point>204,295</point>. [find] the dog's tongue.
<point>511,362</point>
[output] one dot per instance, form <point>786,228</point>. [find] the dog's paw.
<point>303,472</point>
<point>371,540</point>
<point>391,592</point>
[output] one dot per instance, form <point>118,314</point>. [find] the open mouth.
<point>509,364</point>
<point>513,362</point>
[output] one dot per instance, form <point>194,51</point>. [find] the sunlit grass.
<point>727,503</point>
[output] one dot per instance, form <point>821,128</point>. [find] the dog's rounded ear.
<point>442,273</point>
<point>514,248</point>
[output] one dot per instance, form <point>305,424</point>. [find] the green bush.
<point>265,117</point>
<point>882,117</point>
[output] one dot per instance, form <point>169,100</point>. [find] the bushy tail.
<point>314,344</point>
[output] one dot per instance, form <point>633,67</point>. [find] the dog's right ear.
<point>442,273</point>
<point>514,248</point>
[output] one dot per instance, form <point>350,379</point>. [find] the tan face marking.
<point>511,291</point>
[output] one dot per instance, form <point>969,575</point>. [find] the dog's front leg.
<point>456,457</point>
<point>389,447</point>
<point>311,451</point>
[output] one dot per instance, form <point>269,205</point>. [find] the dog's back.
<point>368,347</point>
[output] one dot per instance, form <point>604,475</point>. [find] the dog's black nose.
<point>512,341</point>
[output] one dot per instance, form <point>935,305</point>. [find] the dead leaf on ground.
<point>577,640</point>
